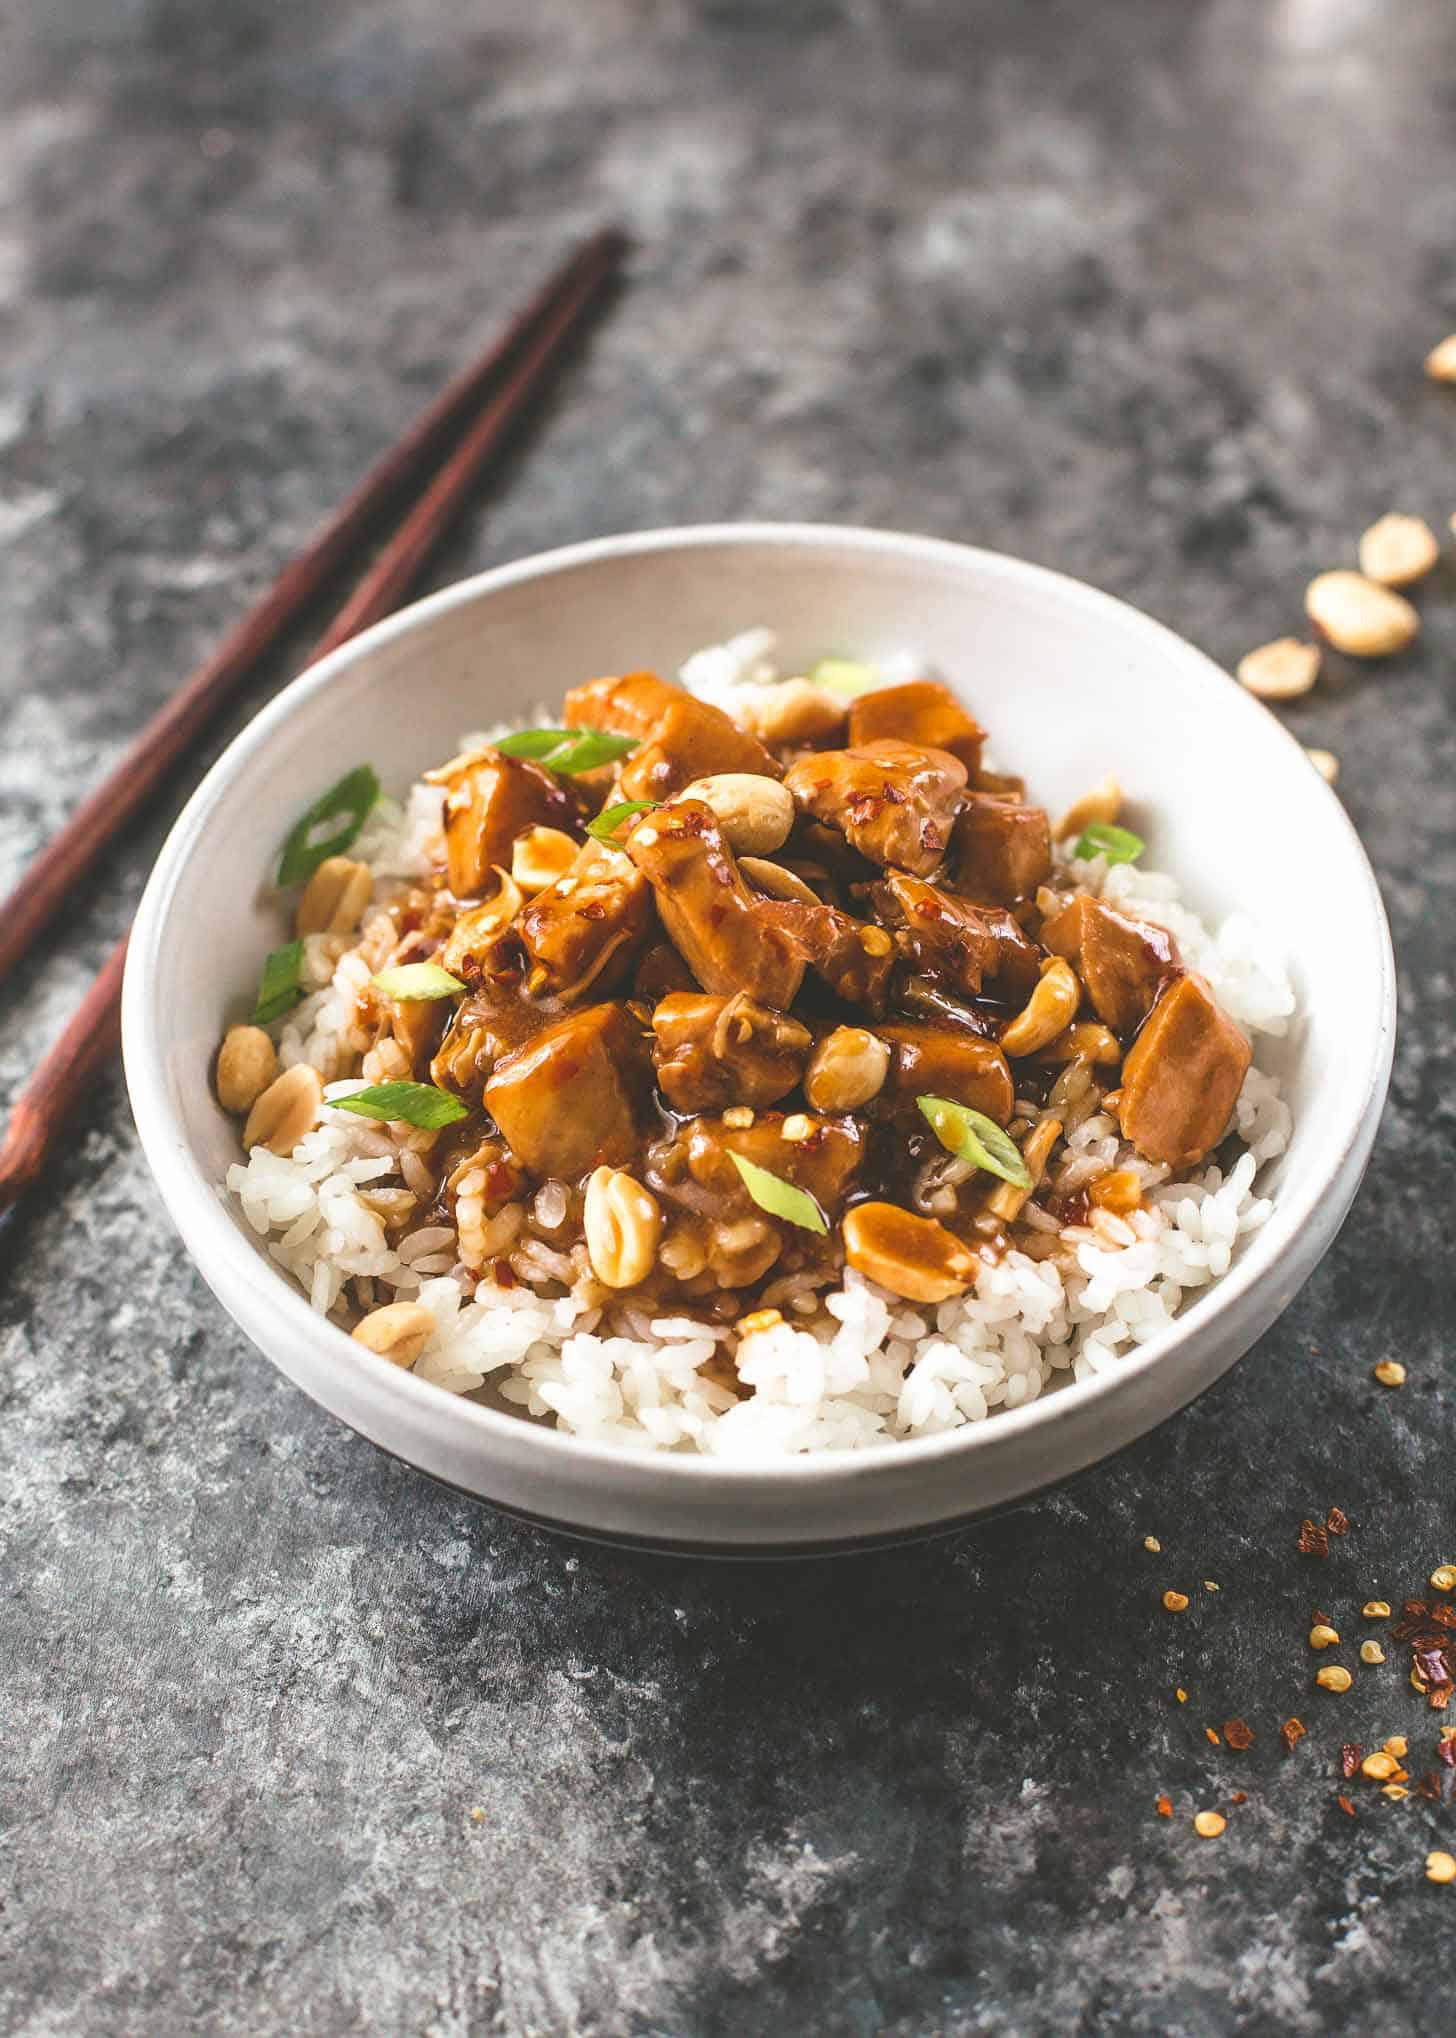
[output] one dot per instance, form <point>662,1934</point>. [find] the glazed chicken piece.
<point>630,704</point>
<point>1123,963</point>
<point>577,1096</point>
<point>584,932</point>
<point>921,712</point>
<point>713,1052</point>
<point>1182,1076</point>
<point>680,738</point>
<point>491,799</point>
<point>494,1021</point>
<point>944,1061</point>
<point>692,1168</point>
<point>723,931</point>
<point>1000,850</point>
<point>894,802</point>
<point>968,948</point>
<point>854,960</point>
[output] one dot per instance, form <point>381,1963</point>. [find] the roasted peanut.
<point>286,1110</point>
<point>399,1331</point>
<point>1051,1008</point>
<point>1325,763</point>
<point>622,1221</point>
<point>776,882</point>
<point>1103,803</point>
<point>540,856</point>
<point>754,813</point>
<point>334,897</point>
<point>246,1065</point>
<point>1007,1202</point>
<point>1441,361</point>
<point>1280,671</point>
<point>1398,551</point>
<point>1359,616</point>
<point>1088,1040</point>
<point>848,1068</point>
<point>792,712</point>
<point>911,1256</point>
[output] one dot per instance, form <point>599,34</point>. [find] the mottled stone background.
<point>293,1741</point>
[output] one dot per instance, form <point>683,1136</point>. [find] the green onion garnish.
<point>416,1103</point>
<point>778,1197</point>
<point>972,1136</point>
<point>844,676</point>
<point>279,989</point>
<point>606,824</point>
<point>567,751</point>
<point>1118,845</point>
<point>414,982</point>
<point>340,813</point>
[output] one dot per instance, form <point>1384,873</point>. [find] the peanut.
<point>1280,671</point>
<point>1441,361</point>
<point>777,882</point>
<point>539,856</point>
<point>848,1068</point>
<point>911,1256</point>
<point>792,712</point>
<point>246,1065</point>
<point>399,1331</point>
<point>1087,1040</point>
<point>754,813</point>
<point>622,1222</point>
<point>1325,763</point>
<point>1398,551</point>
<point>1359,616</point>
<point>286,1110</point>
<point>334,897</point>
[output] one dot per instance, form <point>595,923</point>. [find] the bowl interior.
<point>1070,684</point>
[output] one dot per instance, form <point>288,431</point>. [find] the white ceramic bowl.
<point>1071,684</point>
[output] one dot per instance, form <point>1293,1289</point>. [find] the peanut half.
<point>286,1110</point>
<point>246,1064</point>
<point>1359,616</point>
<point>754,813</point>
<point>1398,551</point>
<point>1280,671</point>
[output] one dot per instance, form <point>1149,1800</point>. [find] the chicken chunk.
<point>944,1061</point>
<point>1182,1076</point>
<point>722,930</point>
<point>490,801</point>
<point>578,1095</point>
<point>920,712</point>
<point>691,740</point>
<point>493,1022</point>
<point>1001,850</point>
<point>853,959</point>
<point>713,1052</point>
<point>582,933</point>
<point>894,802</point>
<point>693,1168</point>
<point>968,948</point>
<point>1124,963</point>
<point>630,704</point>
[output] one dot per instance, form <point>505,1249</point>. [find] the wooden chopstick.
<point>90,1038</point>
<point>71,852</point>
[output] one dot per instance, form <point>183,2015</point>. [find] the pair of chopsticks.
<point>506,379</point>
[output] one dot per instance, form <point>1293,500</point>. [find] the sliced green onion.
<point>1118,845</point>
<point>416,1103</point>
<point>567,751</point>
<point>339,813</point>
<point>845,676</point>
<point>972,1136</point>
<point>606,824</point>
<point>415,982</point>
<point>279,989</point>
<point>778,1197</point>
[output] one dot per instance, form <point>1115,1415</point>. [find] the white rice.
<point>861,1367</point>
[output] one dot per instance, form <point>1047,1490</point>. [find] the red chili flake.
<point>1432,1665</point>
<point>1417,1609</point>
<point>1239,1797</point>
<point>500,1182</point>
<point>1430,1785</point>
<point>1238,1733</point>
<point>1350,1758</point>
<point>1314,1539</point>
<point>1293,1731</point>
<point>1320,1619</point>
<point>1440,1698</point>
<point>1212,1736</point>
<point>504,1274</point>
<point>1443,1614</point>
<point>1446,1749</point>
<point>1165,1806</point>
<point>1337,1522</point>
<point>1345,1806</point>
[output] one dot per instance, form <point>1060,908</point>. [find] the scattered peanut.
<point>1325,763</point>
<point>1371,1652</point>
<point>1176,1602</point>
<point>1334,1677</point>
<point>793,711</point>
<point>539,856</point>
<point>1103,803</point>
<point>1398,551</point>
<point>399,1332</point>
<point>1359,616</point>
<point>1440,1866</point>
<point>1441,361</point>
<point>848,1069</point>
<point>1280,671</point>
<point>286,1110</point>
<point>1376,1609</point>
<point>1322,1637</point>
<point>911,1256</point>
<point>1049,1011</point>
<point>776,882</point>
<point>334,897</point>
<point>622,1222</point>
<point>754,813</point>
<point>1389,1372</point>
<point>1208,1825</point>
<point>246,1065</point>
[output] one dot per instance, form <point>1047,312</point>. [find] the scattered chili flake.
<point>1443,1578</point>
<point>1337,1521</point>
<point>1334,1677</point>
<point>1432,1665</point>
<point>1238,1797</point>
<point>1320,1619</point>
<point>1165,1805</point>
<point>1151,1543</point>
<point>1350,1758</point>
<point>1175,1602</point>
<point>1238,1733</point>
<point>1440,1866</point>
<point>1371,1652</point>
<point>1397,1745</point>
<point>1209,1586</point>
<point>1208,1825</point>
<point>1345,1806</point>
<point>1376,1609</point>
<point>503,1274</point>
<point>1444,1616</point>
<point>1396,1792</point>
<point>1379,1767</point>
<point>1292,1732</point>
<point>1181,1695</point>
<point>1446,1747</point>
<point>1430,1785</point>
<point>1314,1539</point>
<point>1212,1735</point>
<point>1440,1698</point>
<point>1390,1373</point>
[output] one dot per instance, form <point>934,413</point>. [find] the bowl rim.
<point>211,1235</point>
